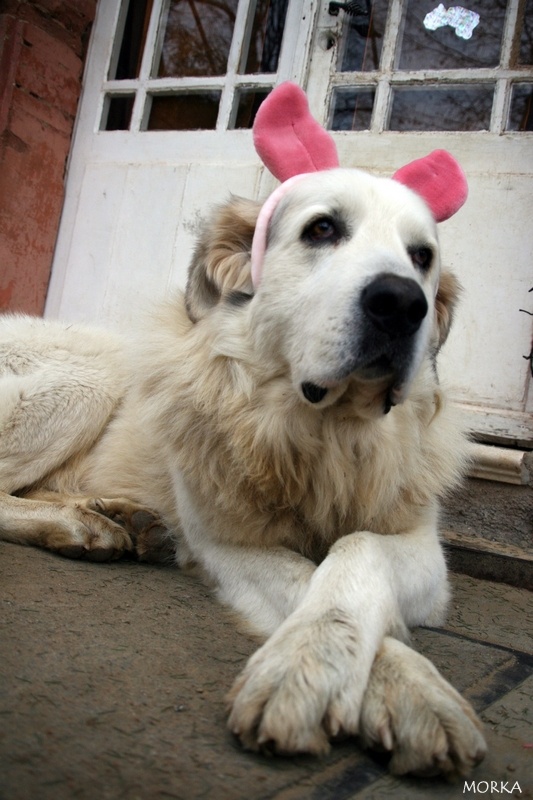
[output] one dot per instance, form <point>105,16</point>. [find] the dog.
<point>293,440</point>
<point>281,425</point>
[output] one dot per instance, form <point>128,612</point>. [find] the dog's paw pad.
<point>100,554</point>
<point>72,551</point>
<point>142,520</point>
<point>155,546</point>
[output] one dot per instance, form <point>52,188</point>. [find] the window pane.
<point>362,37</point>
<point>248,103</point>
<point>117,112</point>
<point>184,112</point>
<point>526,37</point>
<point>197,38</point>
<point>443,48</point>
<point>352,109</point>
<point>267,33</point>
<point>128,63</point>
<point>521,113</point>
<point>453,108</point>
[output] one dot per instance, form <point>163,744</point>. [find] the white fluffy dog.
<point>292,437</point>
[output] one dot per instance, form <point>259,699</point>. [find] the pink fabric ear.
<point>439,179</point>
<point>291,144</point>
<point>288,139</point>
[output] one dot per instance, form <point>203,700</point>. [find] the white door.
<point>163,132</point>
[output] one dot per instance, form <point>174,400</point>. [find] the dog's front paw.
<point>152,541</point>
<point>409,709</point>
<point>76,532</point>
<point>303,686</point>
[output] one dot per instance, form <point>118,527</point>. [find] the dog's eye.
<point>322,230</point>
<point>421,257</point>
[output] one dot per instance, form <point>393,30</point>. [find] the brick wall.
<point>42,48</point>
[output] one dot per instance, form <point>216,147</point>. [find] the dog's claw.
<point>385,735</point>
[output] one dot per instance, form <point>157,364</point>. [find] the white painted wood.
<point>91,245</point>
<point>498,426</point>
<point>490,334</point>
<point>501,464</point>
<point>141,262</point>
<point>239,45</point>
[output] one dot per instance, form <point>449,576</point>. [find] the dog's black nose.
<point>394,304</point>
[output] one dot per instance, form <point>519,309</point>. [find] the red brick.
<point>10,46</point>
<point>41,44</point>
<point>49,70</point>
<point>31,196</point>
<point>32,173</point>
<point>10,7</point>
<point>73,15</point>
<point>25,253</point>
<point>70,27</point>
<point>48,115</point>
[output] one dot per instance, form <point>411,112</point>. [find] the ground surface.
<point>113,676</point>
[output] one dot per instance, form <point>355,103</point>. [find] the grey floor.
<point>113,676</point>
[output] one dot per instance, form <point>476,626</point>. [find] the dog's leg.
<point>308,681</point>
<point>64,526</point>
<point>150,540</point>
<point>55,411</point>
<point>52,407</point>
<point>95,528</point>
<point>263,586</point>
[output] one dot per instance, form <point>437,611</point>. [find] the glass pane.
<point>267,33</point>
<point>184,112</point>
<point>117,112</point>
<point>352,109</point>
<point>443,48</point>
<point>248,103</point>
<point>526,37</point>
<point>197,38</point>
<point>362,37</point>
<point>133,38</point>
<point>453,108</point>
<point>521,113</point>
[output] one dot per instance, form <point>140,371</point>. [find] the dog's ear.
<point>221,261</point>
<point>445,302</point>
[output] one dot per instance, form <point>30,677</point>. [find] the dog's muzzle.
<point>390,310</point>
<point>393,309</point>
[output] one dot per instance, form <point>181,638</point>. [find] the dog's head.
<point>350,279</point>
<point>351,288</point>
<point>343,267</point>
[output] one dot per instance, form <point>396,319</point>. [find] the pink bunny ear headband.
<point>292,144</point>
